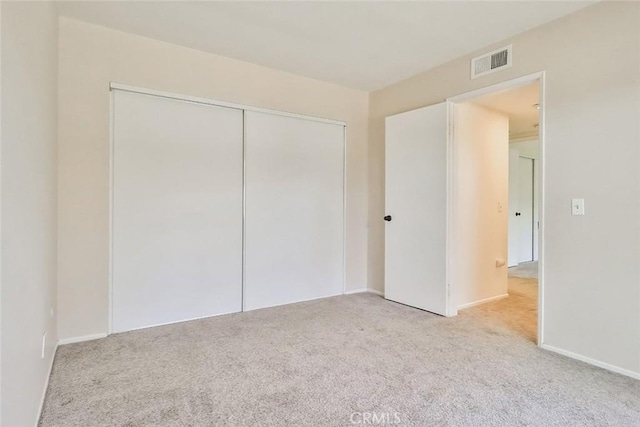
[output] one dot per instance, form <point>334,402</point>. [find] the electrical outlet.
<point>51,312</point>
<point>577,206</point>
<point>44,344</point>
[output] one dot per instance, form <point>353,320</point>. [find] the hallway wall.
<point>481,156</point>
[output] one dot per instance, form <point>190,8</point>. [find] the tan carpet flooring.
<point>338,362</point>
<point>517,313</point>
<point>525,270</point>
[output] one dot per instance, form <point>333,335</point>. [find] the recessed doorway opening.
<point>495,200</point>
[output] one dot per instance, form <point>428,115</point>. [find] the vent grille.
<point>491,62</point>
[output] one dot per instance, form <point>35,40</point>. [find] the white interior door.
<point>514,207</point>
<point>294,220</point>
<point>525,209</point>
<point>177,211</point>
<point>416,208</point>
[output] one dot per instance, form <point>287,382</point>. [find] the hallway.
<point>518,312</point>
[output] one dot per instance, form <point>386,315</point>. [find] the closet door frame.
<point>113,86</point>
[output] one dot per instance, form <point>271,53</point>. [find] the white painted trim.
<point>1,233</point>
<point>110,231</point>
<point>523,136</point>
<point>46,385</point>
<point>364,290</point>
<point>535,138</point>
<point>482,301</point>
<point>173,322</point>
<point>243,302</point>
<point>594,362</point>
<point>83,338</point>
<point>297,302</point>
<point>450,229</point>
<point>344,210</point>
<point>207,101</point>
<point>541,203</point>
<point>510,84</point>
<point>374,291</point>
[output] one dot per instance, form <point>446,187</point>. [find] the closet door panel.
<point>177,211</point>
<point>294,209</point>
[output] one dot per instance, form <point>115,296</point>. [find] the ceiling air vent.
<point>491,62</point>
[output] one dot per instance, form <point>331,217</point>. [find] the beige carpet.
<point>518,313</point>
<point>336,362</point>
<point>525,270</point>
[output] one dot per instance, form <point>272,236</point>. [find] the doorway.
<point>447,211</point>
<point>522,204</point>
<point>495,252</point>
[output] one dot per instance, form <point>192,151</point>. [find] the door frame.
<point>538,77</point>
<point>113,86</point>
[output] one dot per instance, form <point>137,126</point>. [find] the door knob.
<point>387,218</point>
<point>518,214</point>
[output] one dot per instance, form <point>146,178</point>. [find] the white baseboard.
<point>46,385</point>
<point>482,301</point>
<point>593,362</point>
<point>173,322</point>
<point>83,338</point>
<point>362,290</point>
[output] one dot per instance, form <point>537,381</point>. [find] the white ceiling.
<point>519,103</point>
<point>363,45</point>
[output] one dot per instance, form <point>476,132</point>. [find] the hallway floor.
<point>525,270</point>
<point>518,312</point>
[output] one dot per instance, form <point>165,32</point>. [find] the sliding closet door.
<point>294,209</point>
<point>177,211</point>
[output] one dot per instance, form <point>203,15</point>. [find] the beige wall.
<point>592,268</point>
<point>481,156</point>
<point>90,58</point>
<point>28,197</point>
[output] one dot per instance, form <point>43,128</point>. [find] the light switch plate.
<point>577,206</point>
